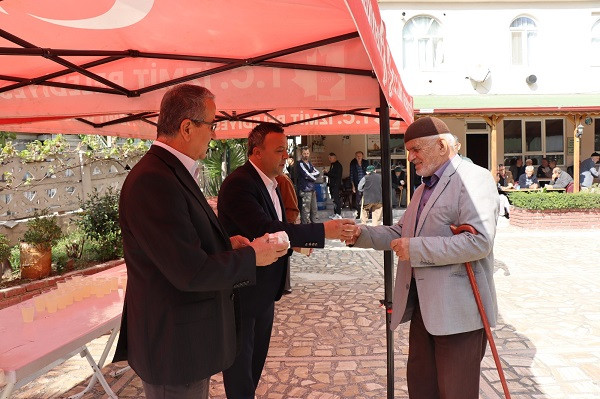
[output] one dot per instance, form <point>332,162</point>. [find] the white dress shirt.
<point>271,185</point>
<point>187,162</point>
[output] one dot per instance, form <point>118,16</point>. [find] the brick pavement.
<point>329,339</point>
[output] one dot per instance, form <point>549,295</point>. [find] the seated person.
<point>504,178</point>
<point>544,170</point>
<point>528,179</point>
<point>398,184</point>
<point>560,179</point>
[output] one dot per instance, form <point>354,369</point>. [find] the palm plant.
<point>224,157</point>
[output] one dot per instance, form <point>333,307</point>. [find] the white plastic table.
<point>29,350</point>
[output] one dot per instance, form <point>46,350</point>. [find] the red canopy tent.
<point>101,67</point>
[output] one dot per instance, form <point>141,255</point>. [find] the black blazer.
<point>245,207</point>
<point>178,322</point>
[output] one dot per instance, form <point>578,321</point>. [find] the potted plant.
<point>74,250</point>
<point>4,255</point>
<point>36,248</point>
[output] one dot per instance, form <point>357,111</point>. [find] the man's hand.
<point>352,240</point>
<point>239,242</point>
<point>401,247</point>
<point>342,229</point>
<point>267,252</point>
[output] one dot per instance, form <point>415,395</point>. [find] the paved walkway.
<point>329,337</point>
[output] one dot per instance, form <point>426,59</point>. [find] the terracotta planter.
<point>36,261</point>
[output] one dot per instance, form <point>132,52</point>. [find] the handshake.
<point>271,247</point>
<point>340,229</point>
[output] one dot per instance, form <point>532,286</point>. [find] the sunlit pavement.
<point>329,338</point>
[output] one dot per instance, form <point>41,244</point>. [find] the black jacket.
<point>178,322</point>
<point>245,207</point>
<point>335,174</point>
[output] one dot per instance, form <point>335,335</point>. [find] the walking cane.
<point>484,319</point>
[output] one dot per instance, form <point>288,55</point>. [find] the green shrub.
<point>4,248</point>
<point>99,222</point>
<point>42,230</point>
<point>553,200</point>
<point>15,259</point>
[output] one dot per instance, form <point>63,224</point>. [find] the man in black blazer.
<point>250,204</point>
<point>179,323</point>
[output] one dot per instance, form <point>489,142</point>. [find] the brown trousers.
<point>443,366</point>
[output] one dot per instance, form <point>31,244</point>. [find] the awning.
<point>102,67</point>
<point>500,104</point>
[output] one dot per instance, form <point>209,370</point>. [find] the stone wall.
<point>555,219</point>
<point>58,185</point>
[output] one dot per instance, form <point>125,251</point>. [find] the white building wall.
<point>477,35</point>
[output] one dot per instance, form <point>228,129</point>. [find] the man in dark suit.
<point>179,325</point>
<point>335,184</point>
<point>250,204</point>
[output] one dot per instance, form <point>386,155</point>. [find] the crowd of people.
<point>547,174</point>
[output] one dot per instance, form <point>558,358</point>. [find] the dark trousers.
<point>334,191</point>
<point>195,390</point>
<point>358,202</point>
<point>443,366</point>
<point>241,379</point>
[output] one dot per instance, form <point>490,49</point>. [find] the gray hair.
<point>182,102</point>
<point>448,137</point>
<point>557,170</point>
<point>529,168</point>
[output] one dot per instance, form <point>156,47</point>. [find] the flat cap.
<point>427,126</point>
<point>370,168</point>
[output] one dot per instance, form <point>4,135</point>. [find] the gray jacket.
<point>588,171</point>
<point>466,193</point>
<point>370,185</point>
<point>562,181</point>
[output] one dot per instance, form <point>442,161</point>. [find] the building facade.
<point>511,79</point>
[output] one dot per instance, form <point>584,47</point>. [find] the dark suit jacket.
<point>178,322</point>
<point>246,208</point>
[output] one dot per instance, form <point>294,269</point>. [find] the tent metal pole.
<point>386,174</point>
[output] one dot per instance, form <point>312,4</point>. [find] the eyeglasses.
<point>213,125</point>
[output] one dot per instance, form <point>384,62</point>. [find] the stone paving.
<point>329,336</point>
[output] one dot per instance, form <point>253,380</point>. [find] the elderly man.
<point>560,179</point>
<point>179,322</point>
<point>588,170</point>
<point>370,187</point>
<point>446,340</point>
<point>528,179</point>
<point>544,170</point>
